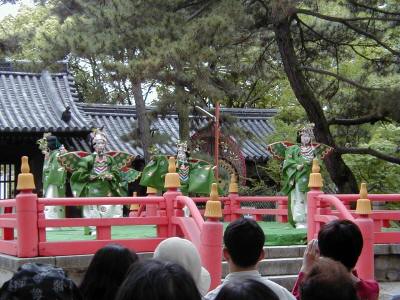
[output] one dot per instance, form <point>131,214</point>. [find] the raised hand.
<point>311,255</point>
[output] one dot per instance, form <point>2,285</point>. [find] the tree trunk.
<point>142,120</point>
<point>338,170</point>
<point>183,116</point>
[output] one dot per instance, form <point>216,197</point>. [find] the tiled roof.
<point>34,102</point>
<point>118,121</point>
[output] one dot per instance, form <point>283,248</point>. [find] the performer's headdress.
<point>308,129</point>
<point>181,146</point>
<point>98,135</point>
<point>43,146</point>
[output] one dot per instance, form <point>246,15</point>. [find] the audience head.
<point>106,272</point>
<point>184,253</point>
<point>158,280</point>
<point>246,289</point>
<point>328,280</point>
<point>341,240</point>
<point>244,241</point>
<point>40,281</point>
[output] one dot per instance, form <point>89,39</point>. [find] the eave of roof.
<point>118,120</point>
<point>34,102</point>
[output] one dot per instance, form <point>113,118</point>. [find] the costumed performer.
<point>100,174</point>
<point>296,171</point>
<point>54,174</point>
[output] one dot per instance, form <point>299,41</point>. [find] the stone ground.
<point>388,290</point>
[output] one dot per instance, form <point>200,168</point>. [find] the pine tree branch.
<point>320,35</point>
<point>200,10</point>
<point>341,20</point>
<point>372,118</point>
<point>369,151</point>
<point>364,56</point>
<point>341,78</point>
<point>187,4</point>
<point>152,84</point>
<point>346,22</point>
<point>378,10</point>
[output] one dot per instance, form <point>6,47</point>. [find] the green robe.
<point>292,176</point>
<point>83,186</point>
<point>54,174</point>
<point>201,176</point>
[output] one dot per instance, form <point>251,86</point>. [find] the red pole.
<point>315,184</point>
<point>312,205</point>
<point>27,213</point>
<point>216,141</point>
<point>211,249</point>
<point>365,264</point>
<point>211,235</point>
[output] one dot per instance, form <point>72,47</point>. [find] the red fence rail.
<point>24,232</point>
<point>29,224</point>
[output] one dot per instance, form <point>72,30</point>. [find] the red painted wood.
<point>26,211</point>
<point>387,237</point>
<point>260,211</point>
<point>90,247</point>
<point>8,203</point>
<point>189,228</point>
<point>79,222</point>
<point>100,201</point>
<point>103,233</point>
<point>9,247</point>
<point>8,222</point>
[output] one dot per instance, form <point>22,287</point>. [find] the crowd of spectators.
<point>175,272</point>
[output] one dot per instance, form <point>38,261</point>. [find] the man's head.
<point>328,280</point>
<point>244,242</point>
<point>342,241</point>
<point>40,281</point>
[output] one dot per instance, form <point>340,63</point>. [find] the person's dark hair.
<point>106,272</point>
<point>40,281</point>
<point>341,240</point>
<point>328,280</point>
<point>298,137</point>
<point>246,289</point>
<point>158,280</point>
<point>244,239</point>
<point>52,142</point>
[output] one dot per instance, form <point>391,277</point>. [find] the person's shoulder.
<point>280,291</point>
<point>213,293</point>
<point>367,289</point>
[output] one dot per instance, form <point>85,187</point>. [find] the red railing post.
<point>162,230</point>
<point>315,184</point>
<point>211,238</point>
<point>8,233</point>
<point>232,203</point>
<point>134,208</point>
<point>172,183</point>
<point>151,209</point>
<point>26,212</point>
<point>282,204</point>
<point>365,263</point>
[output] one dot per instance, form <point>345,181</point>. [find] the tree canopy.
<point>334,63</point>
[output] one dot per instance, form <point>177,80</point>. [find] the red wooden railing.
<point>233,208</point>
<point>166,213</point>
<point>29,224</point>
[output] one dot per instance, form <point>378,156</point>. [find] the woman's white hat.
<point>184,253</point>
